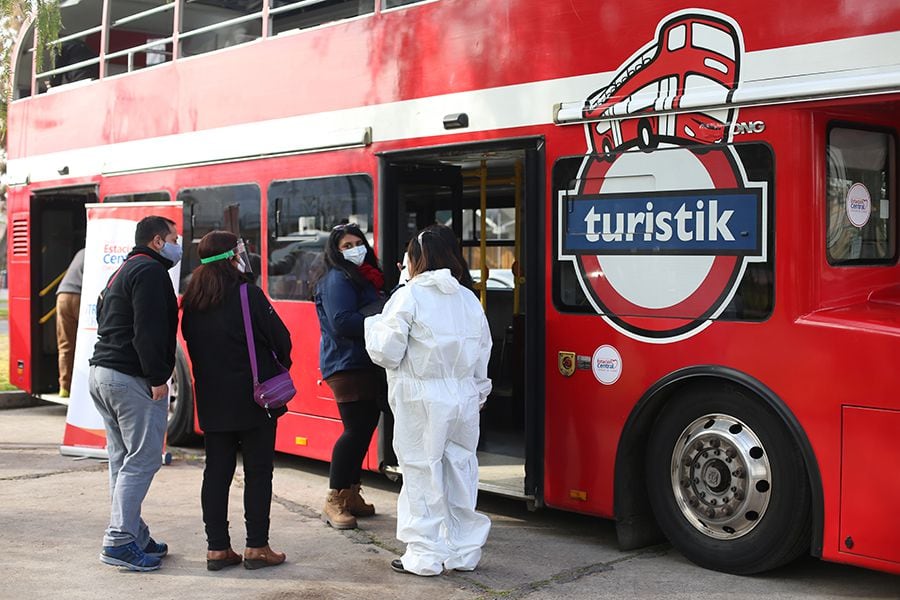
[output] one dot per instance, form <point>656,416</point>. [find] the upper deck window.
<point>215,24</point>
<point>395,3</point>
<point>861,202</point>
<point>141,34</point>
<point>288,15</point>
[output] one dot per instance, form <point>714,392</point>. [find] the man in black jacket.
<point>137,317</point>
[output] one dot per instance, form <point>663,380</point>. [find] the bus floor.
<point>501,474</point>
<point>501,458</point>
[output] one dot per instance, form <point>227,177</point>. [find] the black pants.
<point>258,453</point>
<point>360,419</point>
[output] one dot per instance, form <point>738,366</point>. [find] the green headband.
<point>222,256</point>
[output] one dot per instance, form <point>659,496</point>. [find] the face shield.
<point>239,252</point>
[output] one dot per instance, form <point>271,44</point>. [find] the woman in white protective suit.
<point>433,339</point>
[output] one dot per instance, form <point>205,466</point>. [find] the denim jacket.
<point>338,303</point>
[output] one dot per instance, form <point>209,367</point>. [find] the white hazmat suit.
<point>434,341</point>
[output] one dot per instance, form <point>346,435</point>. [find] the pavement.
<point>53,511</point>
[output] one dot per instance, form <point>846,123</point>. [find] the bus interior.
<point>456,187</point>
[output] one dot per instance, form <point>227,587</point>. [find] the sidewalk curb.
<point>17,399</point>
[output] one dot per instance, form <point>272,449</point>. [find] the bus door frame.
<point>534,254</point>
<point>43,285</point>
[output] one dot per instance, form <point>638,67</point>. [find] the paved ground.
<point>53,510</point>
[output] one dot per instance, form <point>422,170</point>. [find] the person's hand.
<point>158,392</point>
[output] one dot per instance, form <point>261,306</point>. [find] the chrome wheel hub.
<point>721,476</point>
<point>173,398</point>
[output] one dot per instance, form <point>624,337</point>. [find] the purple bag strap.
<point>248,330</point>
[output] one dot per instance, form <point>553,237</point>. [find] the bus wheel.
<point>180,429</point>
<point>727,482</point>
<point>647,140</point>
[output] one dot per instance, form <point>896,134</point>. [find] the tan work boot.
<point>336,512</point>
<point>357,504</point>
<point>257,558</point>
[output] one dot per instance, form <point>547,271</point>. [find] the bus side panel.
<point>18,258</point>
<point>313,397</point>
<point>307,435</point>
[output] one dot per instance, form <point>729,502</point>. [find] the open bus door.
<point>489,196</point>
<point>58,229</point>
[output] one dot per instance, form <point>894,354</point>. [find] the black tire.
<point>739,461</point>
<point>180,431</point>
<point>647,140</point>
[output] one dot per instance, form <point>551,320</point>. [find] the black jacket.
<point>138,318</point>
<point>217,345</point>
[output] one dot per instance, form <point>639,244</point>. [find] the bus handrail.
<point>879,80</point>
<point>220,25</point>
<point>67,68</point>
<point>147,46</point>
<point>73,36</point>
<point>145,13</point>
<point>289,7</point>
<point>52,284</point>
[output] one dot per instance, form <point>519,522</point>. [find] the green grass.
<point>4,364</point>
<point>5,385</point>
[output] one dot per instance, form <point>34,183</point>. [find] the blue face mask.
<point>172,252</point>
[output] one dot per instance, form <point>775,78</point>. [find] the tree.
<point>48,22</point>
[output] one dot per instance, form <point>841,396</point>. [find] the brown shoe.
<point>357,505</point>
<point>337,512</point>
<point>216,560</point>
<point>257,558</point>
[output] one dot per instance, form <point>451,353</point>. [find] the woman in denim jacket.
<point>352,284</point>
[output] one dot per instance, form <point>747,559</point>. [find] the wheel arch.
<point>635,524</point>
<point>184,430</point>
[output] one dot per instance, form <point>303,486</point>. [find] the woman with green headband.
<point>212,325</point>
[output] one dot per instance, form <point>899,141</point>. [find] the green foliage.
<point>48,23</point>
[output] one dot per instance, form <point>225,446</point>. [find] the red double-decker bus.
<point>695,336</point>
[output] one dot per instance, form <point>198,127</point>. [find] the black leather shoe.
<point>397,565</point>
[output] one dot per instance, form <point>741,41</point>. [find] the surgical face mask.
<point>172,252</point>
<point>356,255</point>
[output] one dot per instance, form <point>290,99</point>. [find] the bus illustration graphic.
<point>695,61</point>
<point>662,221</point>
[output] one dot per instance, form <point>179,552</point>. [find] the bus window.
<point>861,205</point>
<point>139,197</point>
<point>140,35</point>
<point>301,214</point>
<point>213,24</point>
<point>227,207</point>
<point>501,235</point>
<point>395,3</point>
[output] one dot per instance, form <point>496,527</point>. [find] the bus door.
<point>59,227</point>
<point>486,195</point>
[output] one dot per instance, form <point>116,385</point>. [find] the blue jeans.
<point>135,432</point>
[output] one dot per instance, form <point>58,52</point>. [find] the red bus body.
<point>822,356</point>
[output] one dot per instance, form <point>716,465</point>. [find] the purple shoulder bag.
<point>274,392</point>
